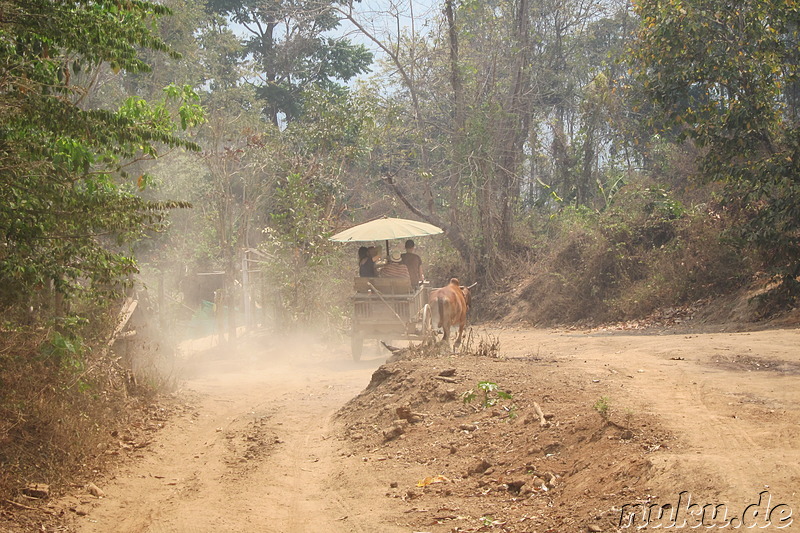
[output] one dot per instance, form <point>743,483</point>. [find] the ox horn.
<point>472,285</point>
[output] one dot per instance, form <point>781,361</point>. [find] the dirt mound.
<point>475,454</point>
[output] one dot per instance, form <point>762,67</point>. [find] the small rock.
<point>448,372</point>
<point>404,412</point>
<point>552,448</point>
<point>468,427</point>
<point>394,484</point>
<point>95,491</point>
<point>515,486</point>
<point>80,511</point>
<point>594,528</point>
<point>37,490</point>
<point>626,435</point>
<point>481,467</point>
<point>393,432</point>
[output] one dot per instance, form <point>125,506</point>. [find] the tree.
<point>318,155</point>
<point>290,52</point>
<point>68,208</point>
<point>444,162</point>
<point>502,97</point>
<point>719,74</point>
<point>573,145</point>
<point>179,32</point>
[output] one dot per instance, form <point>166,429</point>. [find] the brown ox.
<point>450,305</point>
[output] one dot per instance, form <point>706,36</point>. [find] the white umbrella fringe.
<point>386,228</point>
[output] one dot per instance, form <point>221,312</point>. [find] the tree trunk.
<point>518,126</point>
<point>268,64</point>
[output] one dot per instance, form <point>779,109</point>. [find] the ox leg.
<point>444,318</point>
<point>460,335</point>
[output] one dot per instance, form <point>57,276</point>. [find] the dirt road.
<point>254,447</point>
<point>252,451</point>
<point>732,400</point>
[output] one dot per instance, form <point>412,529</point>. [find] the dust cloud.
<point>259,356</point>
<point>252,443</point>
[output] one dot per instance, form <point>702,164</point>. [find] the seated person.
<point>395,269</point>
<point>413,262</point>
<point>366,267</point>
<point>366,264</point>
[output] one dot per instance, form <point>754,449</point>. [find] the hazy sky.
<point>383,17</point>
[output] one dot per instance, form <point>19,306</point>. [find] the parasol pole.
<point>387,250</point>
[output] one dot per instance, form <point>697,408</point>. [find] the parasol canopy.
<point>386,228</point>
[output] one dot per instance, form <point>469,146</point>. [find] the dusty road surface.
<point>256,447</point>
<point>252,451</point>
<point>732,400</point>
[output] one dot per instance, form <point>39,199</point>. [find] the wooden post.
<point>162,313</point>
<point>246,291</point>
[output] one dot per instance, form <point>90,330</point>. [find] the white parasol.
<point>385,228</point>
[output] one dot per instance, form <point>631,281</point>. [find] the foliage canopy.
<point>726,76</point>
<point>67,204</point>
<point>291,50</point>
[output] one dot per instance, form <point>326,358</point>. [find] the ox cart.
<point>388,308</point>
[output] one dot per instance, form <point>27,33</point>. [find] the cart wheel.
<point>427,321</point>
<point>356,345</point>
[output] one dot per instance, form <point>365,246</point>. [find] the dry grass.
<point>57,408</point>
<point>627,262</point>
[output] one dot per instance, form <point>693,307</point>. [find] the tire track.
<point>257,455</point>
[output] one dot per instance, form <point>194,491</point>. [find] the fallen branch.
<point>21,506</point>
<point>542,422</point>
<point>17,504</point>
